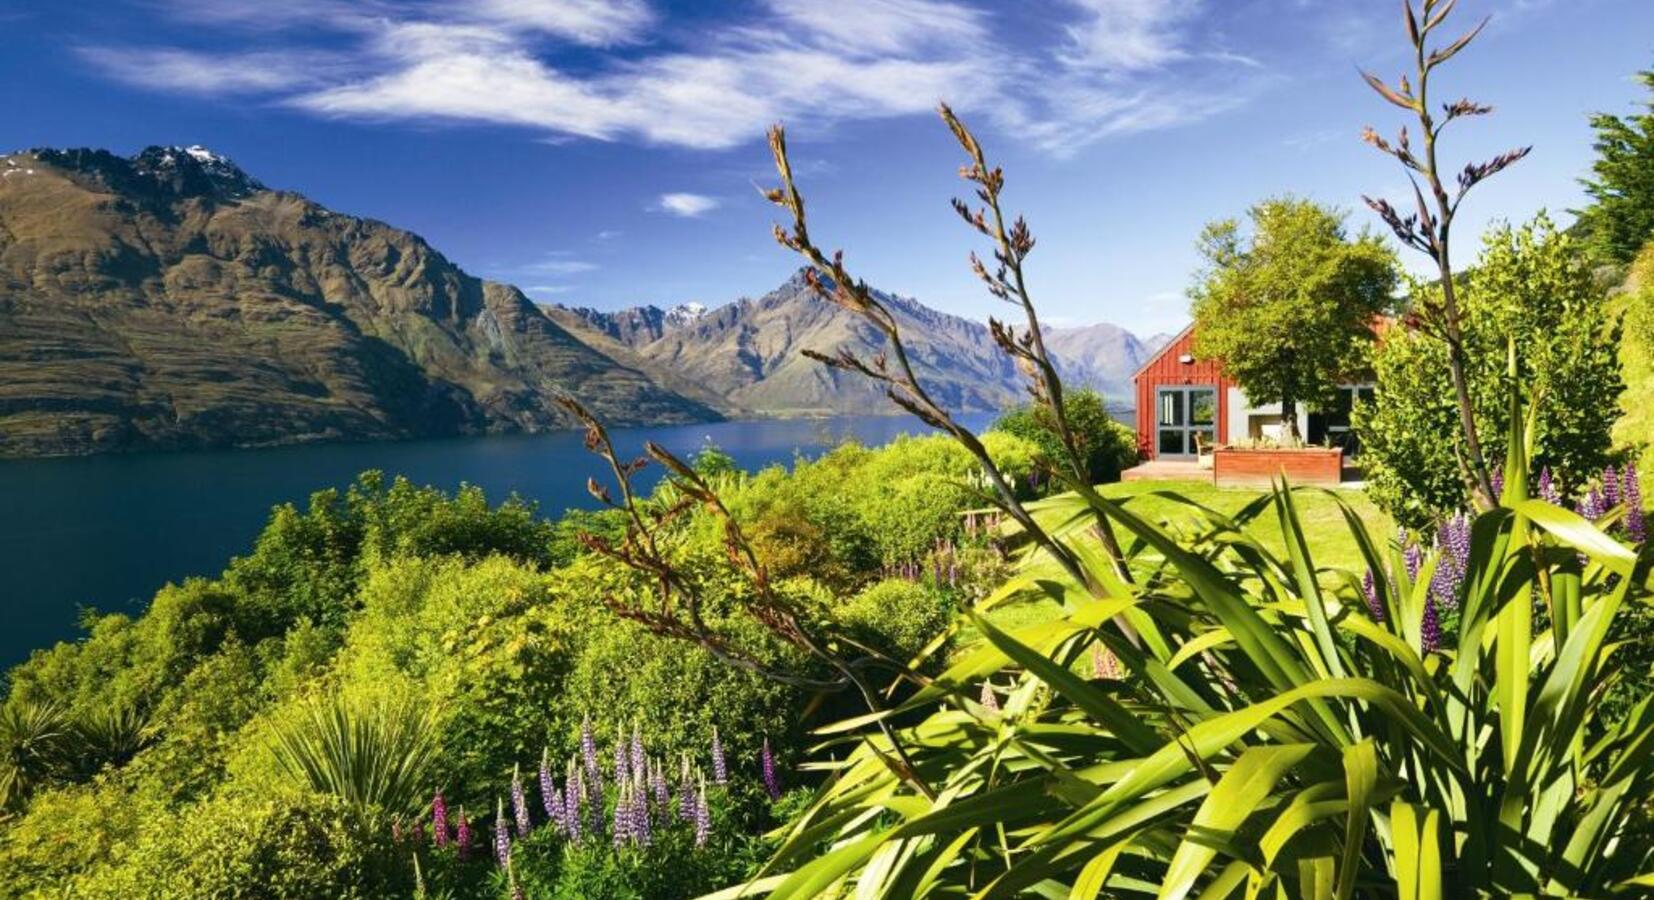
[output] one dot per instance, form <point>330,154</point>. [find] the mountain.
<point>169,299</point>
<point>1101,356</point>
<point>747,353</point>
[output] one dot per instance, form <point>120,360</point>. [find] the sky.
<point>607,153</point>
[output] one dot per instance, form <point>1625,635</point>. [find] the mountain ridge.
<point>748,349</point>
<point>169,300</point>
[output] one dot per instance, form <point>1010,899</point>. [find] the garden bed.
<point>1257,466</point>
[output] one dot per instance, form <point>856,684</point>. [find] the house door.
<point>1183,415</point>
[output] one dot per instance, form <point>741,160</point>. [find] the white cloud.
<point>685,205</point>
<point>1128,35</point>
<point>799,60</point>
<point>190,72</point>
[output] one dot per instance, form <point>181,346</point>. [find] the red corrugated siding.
<point>1165,369</point>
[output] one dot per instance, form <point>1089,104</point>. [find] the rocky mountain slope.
<point>746,353</point>
<point>171,300</point>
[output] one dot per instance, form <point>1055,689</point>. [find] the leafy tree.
<point>1289,308</point>
<point>1636,428</point>
<point>1621,217</point>
<point>1534,285</point>
<point>1108,447</point>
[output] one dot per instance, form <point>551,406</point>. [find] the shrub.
<point>298,846</point>
<point>1107,447</point>
<point>896,616</point>
<point>1532,284</point>
<point>376,757</point>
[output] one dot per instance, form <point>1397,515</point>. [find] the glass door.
<point>1186,420</point>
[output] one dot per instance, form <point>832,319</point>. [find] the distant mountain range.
<point>745,355</point>
<point>170,300</point>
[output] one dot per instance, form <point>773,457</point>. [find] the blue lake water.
<point>107,531</point>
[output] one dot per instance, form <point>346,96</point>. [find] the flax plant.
<point>1429,228</point>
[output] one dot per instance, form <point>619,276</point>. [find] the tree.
<point>1621,217</point>
<point>1107,446</point>
<point>1534,285</point>
<point>1636,313</point>
<point>1289,308</point>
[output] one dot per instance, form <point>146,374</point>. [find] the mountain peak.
<point>161,172</point>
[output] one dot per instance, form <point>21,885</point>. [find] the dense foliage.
<point>1620,219</point>
<point>1289,306</point>
<point>1532,285</point>
<point>1635,306</point>
<point>287,724</point>
<point>1107,445</point>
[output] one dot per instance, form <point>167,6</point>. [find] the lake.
<point>107,531</point>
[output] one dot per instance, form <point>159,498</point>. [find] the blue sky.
<point>604,152</point>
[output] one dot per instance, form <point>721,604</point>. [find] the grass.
<point>1331,545</point>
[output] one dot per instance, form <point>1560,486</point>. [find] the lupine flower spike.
<point>439,820</point>
<point>1369,592</point>
<point>462,835</point>
<point>502,835</point>
<point>550,798</point>
<point>988,698</point>
<point>720,771</point>
<point>703,817</point>
<point>519,802</point>
<point>772,782</point>
<point>1412,557</point>
<point>1104,664</point>
<point>1635,526</point>
<point>1610,488</point>
<point>1430,630</point>
<point>1547,487</point>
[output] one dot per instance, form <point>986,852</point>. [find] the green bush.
<point>1533,284</point>
<point>299,846</point>
<point>1108,447</point>
<point>897,617</point>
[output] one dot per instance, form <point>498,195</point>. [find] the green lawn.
<point>1331,545</point>
<point>1330,542</point>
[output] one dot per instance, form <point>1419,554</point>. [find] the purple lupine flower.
<point>550,797</point>
<point>439,820</point>
<point>772,781</point>
<point>1411,556</point>
<point>688,801</point>
<point>703,817</point>
<point>502,835</point>
<point>1591,505</point>
<point>622,758</point>
<point>638,758</point>
<point>657,782</point>
<point>720,771</point>
<point>588,748</point>
<point>1369,592</point>
<point>573,795</point>
<point>1430,629</point>
<point>1548,490</point>
<point>622,829</point>
<point>1498,481</point>
<point>519,803</point>
<point>462,835</point>
<point>1453,541</point>
<point>1610,488</point>
<point>988,699</point>
<point>639,810</point>
<point>1635,526</point>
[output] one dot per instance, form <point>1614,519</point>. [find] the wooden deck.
<point>1167,470</point>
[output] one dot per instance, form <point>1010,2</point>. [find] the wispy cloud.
<point>1121,66</point>
<point>686,205</point>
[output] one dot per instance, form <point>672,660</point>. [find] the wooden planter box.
<point>1255,467</point>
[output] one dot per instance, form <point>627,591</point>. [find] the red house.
<point>1185,405</point>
